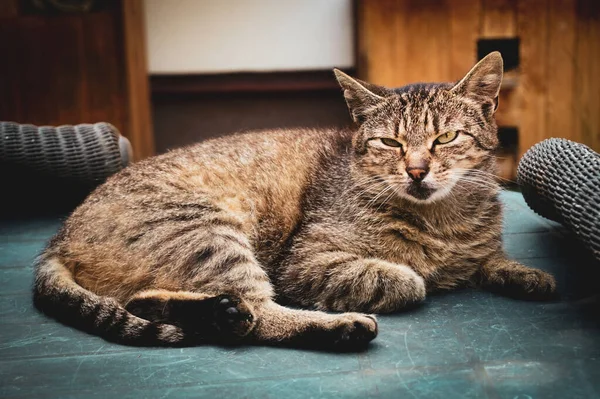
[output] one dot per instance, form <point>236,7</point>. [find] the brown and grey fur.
<point>202,244</point>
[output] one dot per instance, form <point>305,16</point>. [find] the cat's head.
<point>423,139</point>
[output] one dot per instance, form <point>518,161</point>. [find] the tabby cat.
<point>206,244</point>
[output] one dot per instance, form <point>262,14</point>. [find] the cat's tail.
<point>57,294</point>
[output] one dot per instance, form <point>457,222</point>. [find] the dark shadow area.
<point>30,194</point>
<point>183,119</point>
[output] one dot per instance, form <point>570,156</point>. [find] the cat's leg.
<point>218,259</point>
<point>231,267</point>
<point>280,325</point>
<point>342,281</point>
<point>223,318</point>
<point>511,278</point>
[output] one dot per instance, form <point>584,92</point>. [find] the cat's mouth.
<point>420,191</point>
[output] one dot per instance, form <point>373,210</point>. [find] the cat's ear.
<point>483,82</point>
<point>361,97</point>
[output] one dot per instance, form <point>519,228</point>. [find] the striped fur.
<point>201,243</point>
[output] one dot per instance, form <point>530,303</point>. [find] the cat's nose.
<point>417,174</point>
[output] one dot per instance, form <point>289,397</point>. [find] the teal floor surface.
<point>464,344</point>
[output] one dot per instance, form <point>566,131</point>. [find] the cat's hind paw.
<point>223,318</point>
<point>232,315</point>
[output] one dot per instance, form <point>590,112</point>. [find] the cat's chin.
<point>420,192</point>
<point>430,191</point>
<point>425,194</point>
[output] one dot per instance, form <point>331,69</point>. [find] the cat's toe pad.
<point>232,315</point>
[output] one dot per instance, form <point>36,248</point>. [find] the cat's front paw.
<point>513,279</point>
<point>377,287</point>
<point>353,331</point>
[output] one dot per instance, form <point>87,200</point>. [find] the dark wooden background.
<point>68,67</point>
<point>188,109</point>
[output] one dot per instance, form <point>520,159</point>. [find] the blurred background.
<point>168,73</point>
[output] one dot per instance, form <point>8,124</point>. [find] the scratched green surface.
<point>465,344</point>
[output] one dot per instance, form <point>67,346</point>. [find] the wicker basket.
<point>560,180</point>
<point>56,167</point>
<point>86,153</point>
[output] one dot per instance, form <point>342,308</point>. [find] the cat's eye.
<point>390,142</point>
<point>446,137</point>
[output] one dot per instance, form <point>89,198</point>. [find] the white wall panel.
<point>212,36</point>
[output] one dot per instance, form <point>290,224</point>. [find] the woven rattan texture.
<point>560,180</point>
<point>88,153</point>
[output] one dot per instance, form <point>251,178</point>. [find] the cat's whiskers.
<point>373,200</point>
<point>356,184</point>
<point>492,176</point>
<point>468,187</point>
<point>372,186</point>
<point>480,177</point>
<point>368,205</point>
<point>394,192</point>
<point>480,182</point>
<point>367,187</point>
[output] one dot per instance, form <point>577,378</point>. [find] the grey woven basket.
<point>560,180</point>
<point>86,153</point>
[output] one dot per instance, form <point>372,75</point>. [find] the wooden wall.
<point>554,93</point>
<point>192,108</point>
<point>76,67</point>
